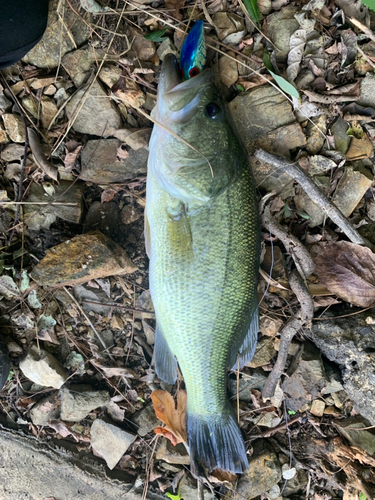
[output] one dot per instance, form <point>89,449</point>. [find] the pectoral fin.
<point>178,227</point>
<point>147,236</point>
<point>165,362</point>
<point>247,350</point>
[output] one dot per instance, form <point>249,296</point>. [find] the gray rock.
<point>307,380</point>
<point>264,473</point>
<point>13,152</point>
<point>87,121</point>
<point>281,26</point>
<point>352,430</point>
<point>320,165</point>
<point>145,420</point>
<point>79,400</point>
<point>342,140</point>
<point>100,164</point>
<point>315,139</point>
<point>56,41</point>
<point>367,92</point>
<point>350,342</point>
<point>166,47</point>
<point>47,409</point>
<point>78,63</point>
<point>14,127</point>
<point>351,188</point>
<point>44,369</point>
<point>5,104</point>
<point>109,441</point>
<point>188,490</point>
<point>24,319</point>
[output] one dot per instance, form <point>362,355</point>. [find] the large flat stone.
<point>100,164</point>
<point>85,119</point>
<point>81,259</point>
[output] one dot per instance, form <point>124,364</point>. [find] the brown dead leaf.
<point>219,476</point>
<point>122,153</point>
<point>359,149</point>
<point>114,371</point>
<point>255,81</point>
<point>73,150</point>
<point>348,270</point>
<point>173,417</point>
<point>174,7</point>
<point>109,193</point>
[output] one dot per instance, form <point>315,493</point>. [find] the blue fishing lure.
<point>193,52</point>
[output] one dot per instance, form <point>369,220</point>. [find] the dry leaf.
<point>297,45</point>
<point>174,7</point>
<point>359,149</point>
<point>348,270</point>
<point>173,417</point>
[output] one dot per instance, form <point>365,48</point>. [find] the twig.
<point>314,194</point>
<point>303,315</point>
<point>362,27</point>
<point>47,167</point>
<point>200,490</point>
<point>293,246</point>
<point>2,203</point>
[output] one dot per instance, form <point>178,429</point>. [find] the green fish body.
<point>203,241</point>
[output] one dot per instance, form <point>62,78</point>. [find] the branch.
<point>314,194</point>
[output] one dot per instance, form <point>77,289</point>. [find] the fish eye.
<point>193,72</point>
<point>212,109</point>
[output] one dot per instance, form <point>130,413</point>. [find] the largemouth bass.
<point>202,238</point>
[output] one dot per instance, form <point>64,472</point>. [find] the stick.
<point>314,194</point>
<point>304,314</point>
<point>47,167</point>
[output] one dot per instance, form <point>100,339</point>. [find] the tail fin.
<point>215,441</point>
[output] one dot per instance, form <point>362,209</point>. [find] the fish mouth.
<point>175,93</point>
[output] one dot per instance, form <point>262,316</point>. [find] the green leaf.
<point>362,496</point>
<point>267,60</point>
<point>240,88</point>
<point>157,36</point>
<point>284,85</point>
<point>173,497</point>
<point>371,5</point>
<point>252,9</point>
<point>303,215</point>
<point>287,211</point>
<point>291,412</point>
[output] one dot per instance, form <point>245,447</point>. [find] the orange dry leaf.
<point>173,417</point>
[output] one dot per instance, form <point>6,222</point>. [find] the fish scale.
<point>203,239</point>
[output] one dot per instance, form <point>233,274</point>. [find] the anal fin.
<point>165,362</point>
<point>247,349</point>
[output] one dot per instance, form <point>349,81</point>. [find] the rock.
<point>129,214</point>
<point>304,202</point>
<point>315,139</point>
<point>166,47</point>
<point>144,302</point>
<point>281,26</point>
<point>342,140</point>
<point>269,326</point>
<point>367,91</point>
<point>100,164</point>
<point>56,40</point>
<point>145,420</point>
<point>44,369</point>
<point>320,165</point>
<point>264,119</point>
<point>228,70</point>
<point>187,490</point>
<point>364,439</point>
<point>227,23</point>
<point>49,110</point>
<point>8,288</point>
<point>14,348</point>
<point>317,408</point>
<point>82,294</point>
<point>255,380</point>
<point>265,6</point>
<point>30,103</point>
<point>47,409</point>
<point>264,353</point>
<point>109,442</point>
<point>24,319</point>
<point>78,63</point>
<point>307,381</point>
<point>135,138</point>
<point>4,139</point>
<point>103,217</point>
<point>172,454</point>
<point>13,152</point>
<point>360,149</point>
<point>42,216</point>
<point>14,127</point>
<point>79,400</point>
<point>297,483</point>
<point>86,122</point>
<point>81,259</point>
<point>349,342</point>
<point>5,104</point>
<point>263,474</point>
<point>144,49</point>
<point>110,75</point>
<point>350,190</point>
